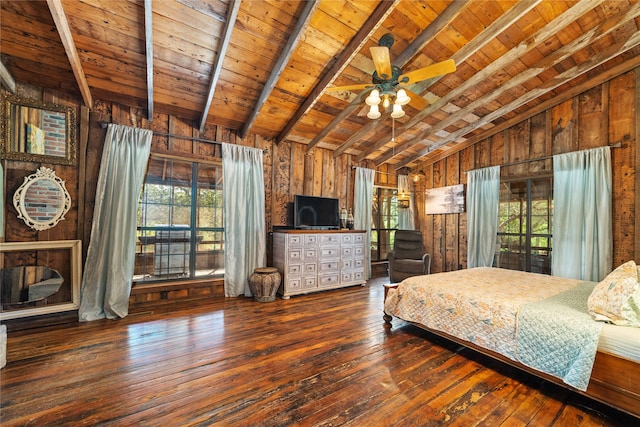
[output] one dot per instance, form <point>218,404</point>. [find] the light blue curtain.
<point>363,209</point>
<point>406,216</point>
<point>244,217</point>
<point>108,272</point>
<point>483,196</point>
<point>582,236</point>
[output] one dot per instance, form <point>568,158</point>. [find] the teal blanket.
<point>558,336</point>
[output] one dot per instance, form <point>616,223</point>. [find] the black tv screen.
<point>316,212</point>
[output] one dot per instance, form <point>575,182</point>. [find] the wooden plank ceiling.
<point>264,66</point>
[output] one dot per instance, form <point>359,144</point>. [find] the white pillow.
<point>617,298</point>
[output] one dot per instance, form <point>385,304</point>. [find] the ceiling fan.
<point>388,81</point>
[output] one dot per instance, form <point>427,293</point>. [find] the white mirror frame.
<point>63,203</point>
<point>75,249</point>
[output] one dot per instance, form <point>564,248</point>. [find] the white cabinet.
<point>317,260</point>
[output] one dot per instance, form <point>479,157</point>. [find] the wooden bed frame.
<point>614,381</point>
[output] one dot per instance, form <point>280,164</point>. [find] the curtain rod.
<point>375,171</point>
<point>539,159</point>
<point>171,135</point>
<point>104,125</point>
<point>616,145</point>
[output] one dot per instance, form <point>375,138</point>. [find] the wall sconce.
<point>417,176</point>
<point>403,200</point>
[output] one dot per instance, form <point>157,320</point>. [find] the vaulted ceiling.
<point>264,66</point>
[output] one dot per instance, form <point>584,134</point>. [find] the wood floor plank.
<point>313,360</point>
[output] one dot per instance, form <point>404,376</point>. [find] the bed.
<point>535,322</point>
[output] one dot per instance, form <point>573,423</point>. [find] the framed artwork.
<point>444,200</point>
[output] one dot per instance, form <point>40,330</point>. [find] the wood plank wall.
<point>607,114</point>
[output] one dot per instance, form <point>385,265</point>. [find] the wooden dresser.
<point>317,260</point>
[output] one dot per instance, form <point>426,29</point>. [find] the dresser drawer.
<point>330,252</point>
<point>347,239</point>
<point>329,239</point>
<point>294,269</point>
<point>294,255</point>
<point>295,239</point>
<point>310,268</point>
<point>310,253</point>
<point>347,264</point>
<point>310,282</point>
<point>347,251</point>
<point>358,250</point>
<point>293,284</point>
<point>358,238</point>
<point>328,279</point>
<point>310,239</point>
<point>328,266</point>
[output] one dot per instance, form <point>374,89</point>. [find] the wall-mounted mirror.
<point>27,286</point>
<point>42,200</point>
<point>36,131</point>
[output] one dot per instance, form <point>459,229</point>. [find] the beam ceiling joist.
<point>148,33</point>
<point>292,42</point>
<point>7,79</point>
<point>475,45</point>
<point>356,43</point>
<point>232,15</point>
<point>62,25</point>
<point>612,51</point>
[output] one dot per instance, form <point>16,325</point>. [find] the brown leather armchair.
<point>408,258</point>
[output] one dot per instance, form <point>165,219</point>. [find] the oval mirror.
<point>42,200</point>
<point>25,285</point>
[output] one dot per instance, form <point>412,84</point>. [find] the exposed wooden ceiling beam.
<point>62,25</point>
<point>354,46</point>
<point>416,46</point>
<point>232,15</point>
<point>292,41</point>
<point>148,33</point>
<point>570,74</point>
<point>481,40</point>
<point>7,79</point>
<point>526,46</point>
<point>564,96</point>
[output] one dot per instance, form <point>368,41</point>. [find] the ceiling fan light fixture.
<point>373,98</point>
<point>374,112</point>
<point>402,98</point>
<point>397,111</point>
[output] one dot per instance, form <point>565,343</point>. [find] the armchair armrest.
<point>426,258</point>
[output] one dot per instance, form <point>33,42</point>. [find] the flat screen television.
<point>311,212</point>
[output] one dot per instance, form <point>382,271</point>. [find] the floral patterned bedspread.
<point>479,305</point>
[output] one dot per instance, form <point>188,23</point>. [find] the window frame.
<point>194,227</point>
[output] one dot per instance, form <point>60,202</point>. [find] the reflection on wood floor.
<point>319,359</point>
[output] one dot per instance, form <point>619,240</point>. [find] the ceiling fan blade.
<point>349,87</point>
<point>438,69</point>
<point>381,60</point>
<point>417,102</point>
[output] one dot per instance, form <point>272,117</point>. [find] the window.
<point>384,222</point>
<point>525,225</point>
<point>180,223</point>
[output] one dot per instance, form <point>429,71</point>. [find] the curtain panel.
<point>406,216</point>
<point>582,230</point>
<point>483,197</point>
<point>363,209</point>
<point>106,283</point>
<point>244,217</point>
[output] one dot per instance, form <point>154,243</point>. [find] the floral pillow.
<point>617,298</point>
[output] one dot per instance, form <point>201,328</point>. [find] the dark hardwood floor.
<point>320,359</point>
